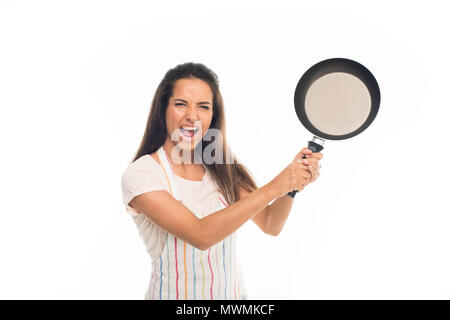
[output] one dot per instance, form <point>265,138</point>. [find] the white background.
<point>76,83</point>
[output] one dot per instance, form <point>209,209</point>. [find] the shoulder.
<point>148,161</point>
<point>144,166</point>
<point>140,176</point>
<point>154,157</point>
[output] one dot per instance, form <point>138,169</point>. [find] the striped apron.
<point>183,272</point>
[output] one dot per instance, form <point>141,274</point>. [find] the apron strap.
<point>167,168</point>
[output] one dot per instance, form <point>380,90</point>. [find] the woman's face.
<point>190,107</point>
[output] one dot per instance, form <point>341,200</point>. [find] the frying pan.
<point>335,99</point>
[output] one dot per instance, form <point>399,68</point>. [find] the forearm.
<point>218,225</point>
<point>277,214</point>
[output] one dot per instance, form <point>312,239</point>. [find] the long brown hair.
<point>227,176</point>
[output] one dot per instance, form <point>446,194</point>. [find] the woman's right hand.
<point>294,177</point>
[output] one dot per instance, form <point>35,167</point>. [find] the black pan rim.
<point>329,66</point>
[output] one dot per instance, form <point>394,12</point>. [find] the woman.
<point>188,203</point>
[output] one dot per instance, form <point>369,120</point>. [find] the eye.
<point>182,104</point>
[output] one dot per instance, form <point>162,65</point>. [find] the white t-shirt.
<point>145,175</point>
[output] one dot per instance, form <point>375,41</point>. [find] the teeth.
<point>187,128</point>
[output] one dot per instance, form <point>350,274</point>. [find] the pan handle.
<point>314,147</point>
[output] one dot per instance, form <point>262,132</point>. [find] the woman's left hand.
<point>313,160</point>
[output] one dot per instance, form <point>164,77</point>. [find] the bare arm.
<point>175,218</point>
<point>172,216</point>
<point>272,218</point>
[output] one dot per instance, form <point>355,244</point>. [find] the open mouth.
<point>188,132</point>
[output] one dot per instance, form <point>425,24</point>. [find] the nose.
<point>191,114</point>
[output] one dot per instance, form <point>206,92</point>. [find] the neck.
<point>168,147</point>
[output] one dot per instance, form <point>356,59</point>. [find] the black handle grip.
<point>314,147</point>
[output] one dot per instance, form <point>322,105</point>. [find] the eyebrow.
<point>201,102</point>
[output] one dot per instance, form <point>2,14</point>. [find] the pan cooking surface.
<point>337,99</point>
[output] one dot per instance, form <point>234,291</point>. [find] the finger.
<point>317,172</point>
<point>313,166</point>
<point>309,172</point>
<point>300,165</point>
<point>306,152</point>
<point>298,157</point>
<point>303,153</point>
<point>317,155</point>
<point>301,169</point>
<point>314,162</point>
<point>313,172</point>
